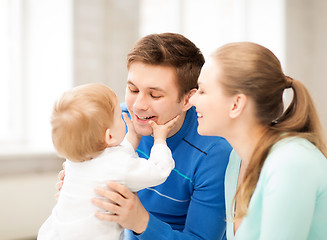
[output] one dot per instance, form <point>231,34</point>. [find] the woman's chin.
<point>201,131</point>
<point>205,132</point>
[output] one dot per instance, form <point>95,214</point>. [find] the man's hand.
<point>124,207</point>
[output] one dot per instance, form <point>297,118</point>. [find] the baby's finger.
<point>59,185</point>
<point>57,195</point>
<point>127,120</point>
<point>172,122</point>
<point>152,124</point>
<point>61,175</point>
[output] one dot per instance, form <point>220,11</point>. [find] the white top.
<point>73,216</point>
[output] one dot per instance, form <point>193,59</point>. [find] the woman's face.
<point>212,104</point>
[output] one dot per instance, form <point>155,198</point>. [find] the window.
<point>35,68</point>
<point>10,73</point>
<point>37,53</point>
<point>212,23</point>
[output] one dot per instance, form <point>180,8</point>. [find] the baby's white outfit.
<point>73,216</point>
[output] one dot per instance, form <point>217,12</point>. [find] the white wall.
<point>104,32</point>
<point>306,48</point>
<point>26,201</point>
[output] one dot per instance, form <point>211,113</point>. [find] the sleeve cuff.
<point>155,227</point>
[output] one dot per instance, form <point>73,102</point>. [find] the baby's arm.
<point>131,135</point>
<point>142,172</point>
<point>160,132</point>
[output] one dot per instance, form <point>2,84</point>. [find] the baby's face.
<point>118,128</point>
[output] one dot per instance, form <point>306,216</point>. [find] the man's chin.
<point>144,131</point>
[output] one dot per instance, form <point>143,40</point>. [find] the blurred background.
<point>49,46</point>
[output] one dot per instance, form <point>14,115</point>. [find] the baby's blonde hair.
<point>80,119</point>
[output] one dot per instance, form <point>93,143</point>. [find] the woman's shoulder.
<point>295,148</point>
<point>295,154</point>
<point>233,166</point>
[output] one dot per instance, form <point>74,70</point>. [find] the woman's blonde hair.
<point>255,71</point>
<point>79,121</point>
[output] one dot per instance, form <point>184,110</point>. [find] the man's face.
<point>152,94</point>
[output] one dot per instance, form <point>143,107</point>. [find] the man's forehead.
<point>154,86</point>
<point>154,77</point>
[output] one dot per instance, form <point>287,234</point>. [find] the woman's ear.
<point>109,138</point>
<point>238,105</point>
<point>187,104</point>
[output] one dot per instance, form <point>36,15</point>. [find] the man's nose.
<point>141,102</point>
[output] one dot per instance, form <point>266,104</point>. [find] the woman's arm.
<point>289,196</point>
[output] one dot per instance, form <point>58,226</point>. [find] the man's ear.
<point>187,104</point>
<point>109,138</point>
<point>238,105</point>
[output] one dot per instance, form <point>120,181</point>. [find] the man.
<point>162,76</point>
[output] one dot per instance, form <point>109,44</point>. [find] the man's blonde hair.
<point>80,119</point>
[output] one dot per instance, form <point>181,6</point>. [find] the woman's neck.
<point>245,143</point>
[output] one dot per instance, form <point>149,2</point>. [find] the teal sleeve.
<point>289,194</point>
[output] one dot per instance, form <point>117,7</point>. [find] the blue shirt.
<point>190,204</point>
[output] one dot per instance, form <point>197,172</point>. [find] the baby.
<point>88,130</point>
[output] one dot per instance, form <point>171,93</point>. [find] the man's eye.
<point>155,96</point>
<point>133,90</point>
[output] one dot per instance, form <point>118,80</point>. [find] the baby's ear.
<point>109,138</point>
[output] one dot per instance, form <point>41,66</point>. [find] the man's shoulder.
<point>210,144</point>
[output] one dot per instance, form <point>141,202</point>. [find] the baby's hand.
<point>160,132</point>
<point>132,136</point>
<point>129,123</point>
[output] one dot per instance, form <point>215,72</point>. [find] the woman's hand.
<point>125,207</point>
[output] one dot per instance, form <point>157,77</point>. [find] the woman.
<point>275,183</point>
